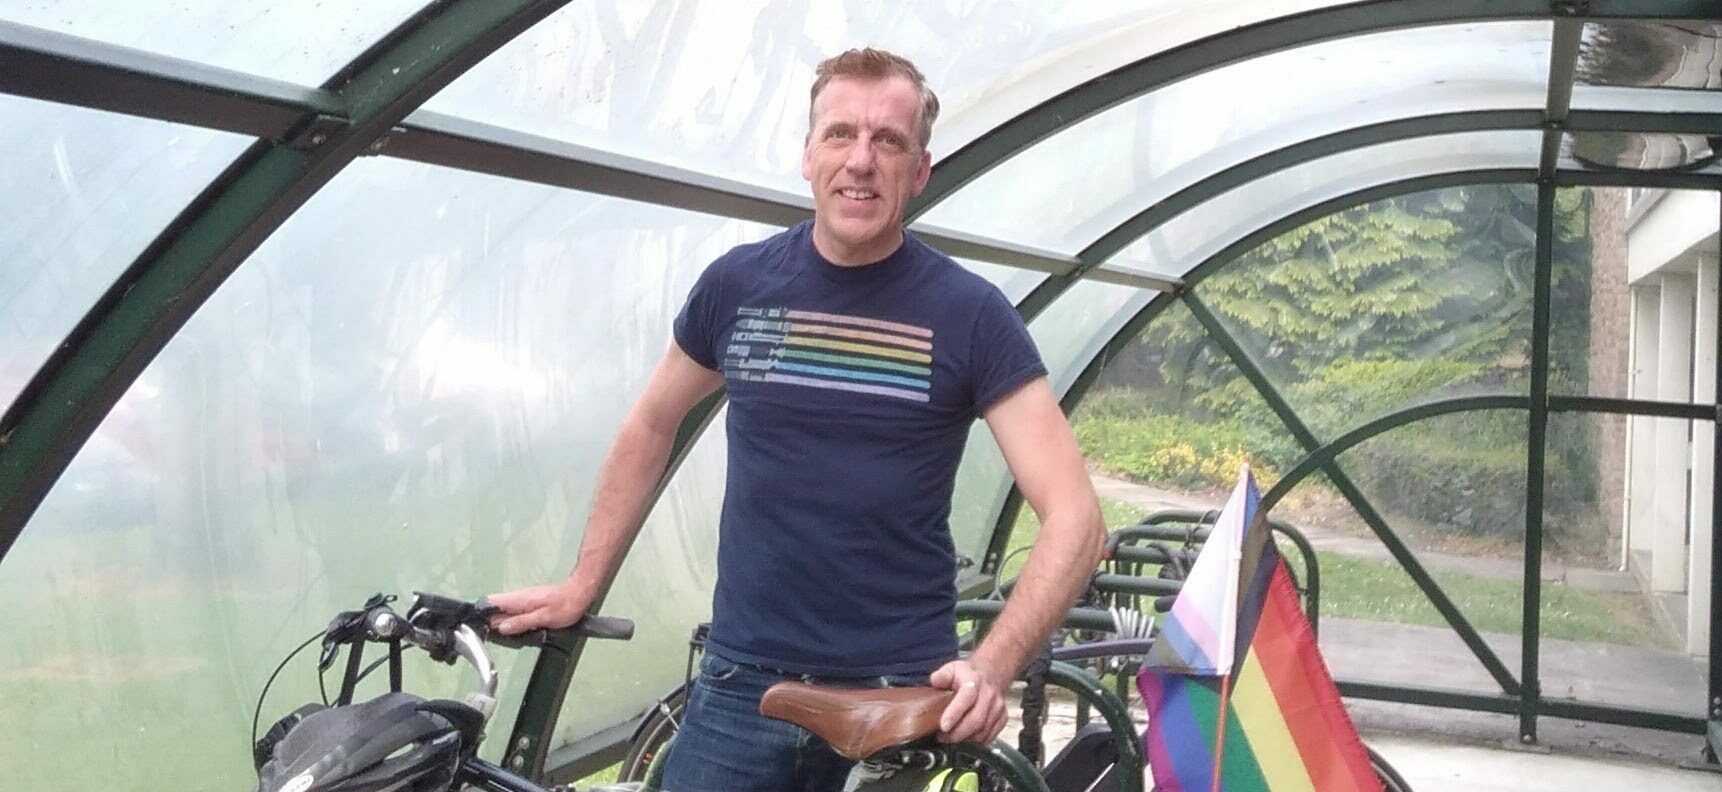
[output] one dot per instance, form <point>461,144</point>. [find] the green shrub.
<point>1168,450</point>
<point>1466,474</point>
<point>1470,488</point>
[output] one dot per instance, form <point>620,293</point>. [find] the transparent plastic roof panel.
<point>665,585</point>
<point>1193,237</point>
<point>1684,54</point>
<point>721,87</point>
<point>300,41</point>
<point>1073,188</point>
<point>1647,100</point>
<point>1062,333</point>
<point>1639,151</point>
<point>409,386</point>
<point>90,191</point>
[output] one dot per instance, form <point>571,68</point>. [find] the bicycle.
<point>653,736</point>
<point>1107,633</point>
<point>399,742</point>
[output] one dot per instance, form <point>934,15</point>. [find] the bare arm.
<point>630,472</point>
<point>1042,454</point>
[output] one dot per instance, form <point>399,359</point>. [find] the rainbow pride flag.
<point>1286,729</point>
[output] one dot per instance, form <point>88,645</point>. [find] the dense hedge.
<point>1461,473</point>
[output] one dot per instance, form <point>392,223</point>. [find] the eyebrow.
<point>851,126</point>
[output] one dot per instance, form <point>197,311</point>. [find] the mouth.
<point>858,195</point>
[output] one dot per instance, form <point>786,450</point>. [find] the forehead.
<point>892,101</point>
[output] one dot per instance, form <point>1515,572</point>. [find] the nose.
<point>861,158</point>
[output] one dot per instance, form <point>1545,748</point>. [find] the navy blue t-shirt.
<point>851,395</point>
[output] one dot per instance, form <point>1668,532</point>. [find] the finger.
<point>994,720</point>
<point>1001,718</point>
<point>968,723</point>
<point>942,678</point>
<point>512,601</point>
<point>959,706</point>
<point>973,723</point>
<point>515,625</point>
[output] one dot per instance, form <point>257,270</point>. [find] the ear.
<point>923,172</point>
<point>807,157</point>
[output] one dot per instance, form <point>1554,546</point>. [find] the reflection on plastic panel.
<point>92,190</point>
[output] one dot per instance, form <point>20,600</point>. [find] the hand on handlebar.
<point>537,608</point>
<point>977,713</point>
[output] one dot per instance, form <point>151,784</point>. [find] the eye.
<point>840,133</point>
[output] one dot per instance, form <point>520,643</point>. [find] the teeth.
<point>859,195</point>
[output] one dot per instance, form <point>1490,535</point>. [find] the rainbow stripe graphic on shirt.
<point>831,351</point>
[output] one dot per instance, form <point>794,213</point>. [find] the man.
<point>856,359</point>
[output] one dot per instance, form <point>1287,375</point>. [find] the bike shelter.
<point>302,303</point>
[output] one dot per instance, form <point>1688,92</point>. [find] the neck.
<point>856,255</point>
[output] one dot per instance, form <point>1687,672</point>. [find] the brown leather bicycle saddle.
<point>858,723</point>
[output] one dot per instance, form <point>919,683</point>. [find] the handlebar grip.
<point>606,627</point>
<point>613,628</point>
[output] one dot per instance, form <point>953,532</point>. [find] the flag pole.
<point>1220,733</point>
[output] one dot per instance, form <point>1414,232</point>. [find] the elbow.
<point>1085,529</point>
<point>1095,524</point>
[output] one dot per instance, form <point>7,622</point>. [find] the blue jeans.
<point>725,745</point>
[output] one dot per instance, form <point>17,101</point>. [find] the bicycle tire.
<point>1391,780</point>
<point>656,730</point>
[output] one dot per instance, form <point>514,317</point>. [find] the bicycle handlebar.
<point>447,628</point>
<point>610,628</point>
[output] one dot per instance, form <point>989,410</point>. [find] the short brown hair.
<point>876,64</point>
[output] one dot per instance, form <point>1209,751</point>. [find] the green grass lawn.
<point>1353,588</point>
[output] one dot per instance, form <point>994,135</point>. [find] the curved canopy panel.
<point>1641,151</point>
<point>1192,238</point>
<point>92,190</point>
<point>299,42</point>
<point>423,365</point>
<point>1140,152</point>
<point>378,334</point>
<point>720,88</point>
<point>1682,54</point>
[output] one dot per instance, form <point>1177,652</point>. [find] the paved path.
<point>1368,547</point>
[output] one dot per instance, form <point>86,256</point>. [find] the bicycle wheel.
<point>1391,780</point>
<point>653,733</point>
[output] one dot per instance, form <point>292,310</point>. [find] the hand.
<point>538,607</point>
<point>977,713</point>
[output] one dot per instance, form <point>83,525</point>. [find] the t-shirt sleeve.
<point>1003,354</point>
<point>696,325</point>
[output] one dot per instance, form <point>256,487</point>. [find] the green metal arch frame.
<point>1128,330</point>
<point>1099,352</point>
<point>1314,461</point>
<point>1132,80</point>
<point>1523,696</point>
<point>159,291</point>
<point>1345,442</point>
<point>68,398</point>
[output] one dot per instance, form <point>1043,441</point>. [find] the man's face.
<point>864,161</point>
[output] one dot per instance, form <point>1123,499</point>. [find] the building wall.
<point>1610,337</point>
